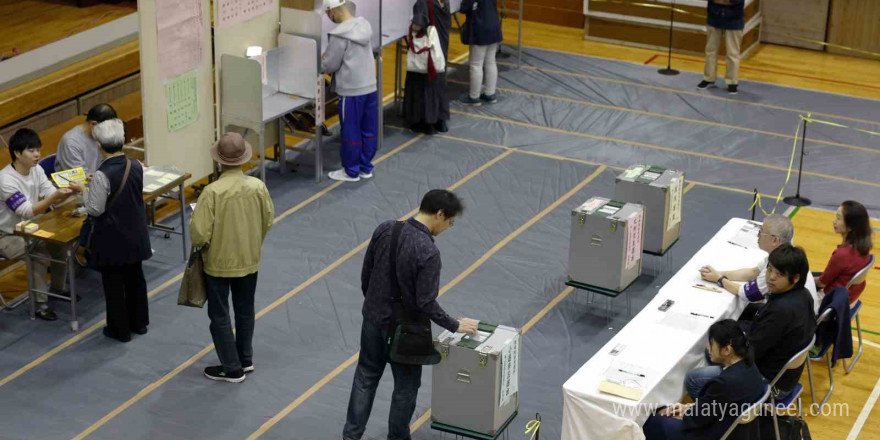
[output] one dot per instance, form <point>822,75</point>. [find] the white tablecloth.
<point>664,351</point>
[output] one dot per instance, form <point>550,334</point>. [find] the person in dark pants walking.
<point>120,241</point>
<point>418,275</point>
<point>230,222</point>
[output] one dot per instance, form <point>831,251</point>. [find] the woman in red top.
<point>852,255</point>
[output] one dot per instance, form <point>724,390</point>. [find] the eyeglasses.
<point>761,232</point>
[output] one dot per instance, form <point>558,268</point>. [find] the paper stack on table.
<point>747,236</point>
<point>624,380</point>
<point>157,177</point>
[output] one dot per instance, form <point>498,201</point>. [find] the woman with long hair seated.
<point>852,254</point>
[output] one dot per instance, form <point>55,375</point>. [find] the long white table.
<point>665,344</point>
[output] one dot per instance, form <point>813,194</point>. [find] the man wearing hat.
<point>231,220</point>
<point>349,57</point>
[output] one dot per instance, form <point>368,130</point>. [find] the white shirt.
<point>756,290</point>
<point>19,193</point>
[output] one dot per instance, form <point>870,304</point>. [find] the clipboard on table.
<point>63,178</point>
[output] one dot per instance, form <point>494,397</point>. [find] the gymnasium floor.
<point>566,125</point>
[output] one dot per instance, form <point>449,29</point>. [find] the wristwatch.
<point>721,281</point>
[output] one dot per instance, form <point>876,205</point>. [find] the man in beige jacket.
<point>232,218</point>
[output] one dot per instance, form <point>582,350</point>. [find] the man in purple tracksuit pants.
<point>349,56</point>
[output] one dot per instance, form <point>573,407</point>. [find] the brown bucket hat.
<point>231,150</point>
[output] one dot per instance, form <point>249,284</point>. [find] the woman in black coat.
<point>425,102</point>
<point>119,241</point>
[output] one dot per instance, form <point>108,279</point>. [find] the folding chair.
<point>859,277</point>
<point>795,362</point>
<point>749,415</point>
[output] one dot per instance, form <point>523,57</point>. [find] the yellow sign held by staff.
<point>62,179</point>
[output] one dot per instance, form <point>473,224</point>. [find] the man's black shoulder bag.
<point>411,341</point>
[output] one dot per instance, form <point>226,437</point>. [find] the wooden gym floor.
<point>772,64</point>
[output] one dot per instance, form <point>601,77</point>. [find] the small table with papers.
<point>61,227</point>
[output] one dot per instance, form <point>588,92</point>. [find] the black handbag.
<point>411,341</point>
<point>88,227</point>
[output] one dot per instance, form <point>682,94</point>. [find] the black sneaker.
<point>110,334</point>
<point>467,100</point>
<point>441,127</point>
<point>247,367</point>
<point>489,99</point>
<point>705,85</point>
<point>46,315</point>
<point>731,89</point>
<point>217,373</point>
<point>139,331</point>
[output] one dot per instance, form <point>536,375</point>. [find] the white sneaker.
<point>364,175</point>
<point>342,176</point>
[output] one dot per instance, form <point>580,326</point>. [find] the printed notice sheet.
<point>231,12</point>
<point>675,190</point>
<point>180,38</point>
<point>509,370</point>
<point>182,101</point>
<point>634,239</point>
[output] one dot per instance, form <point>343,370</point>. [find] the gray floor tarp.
<point>309,283</point>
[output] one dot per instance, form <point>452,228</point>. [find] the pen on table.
<point>629,372</point>
<point>704,316</point>
<point>735,244</point>
<point>705,287</point>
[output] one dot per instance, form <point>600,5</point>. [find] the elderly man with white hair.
<point>119,240</point>
<point>750,284</point>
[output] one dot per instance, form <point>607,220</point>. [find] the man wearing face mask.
<point>77,148</point>
<point>349,57</point>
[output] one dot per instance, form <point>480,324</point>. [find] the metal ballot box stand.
<point>475,385</point>
<point>659,190</point>
<point>606,244</point>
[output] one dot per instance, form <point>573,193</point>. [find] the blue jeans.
<point>696,379</point>
<point>359,119</point>
<point>232,349</point>
<point>663,428</point>
<point>371,365</point>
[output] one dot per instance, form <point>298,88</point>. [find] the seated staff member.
<point>27,193</point>
<point>738,385</point>
<point>781,327</point>
<point>120,241</point>
<point>78,147</point>
<point>852,254</point>
<point>776,230</point>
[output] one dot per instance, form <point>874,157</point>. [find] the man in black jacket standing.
<point>418,278</point>
<point>723,17</point>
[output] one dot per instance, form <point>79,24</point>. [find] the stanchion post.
<point>797,200</point>
<point>669,71</point>
<point>754,203</point>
